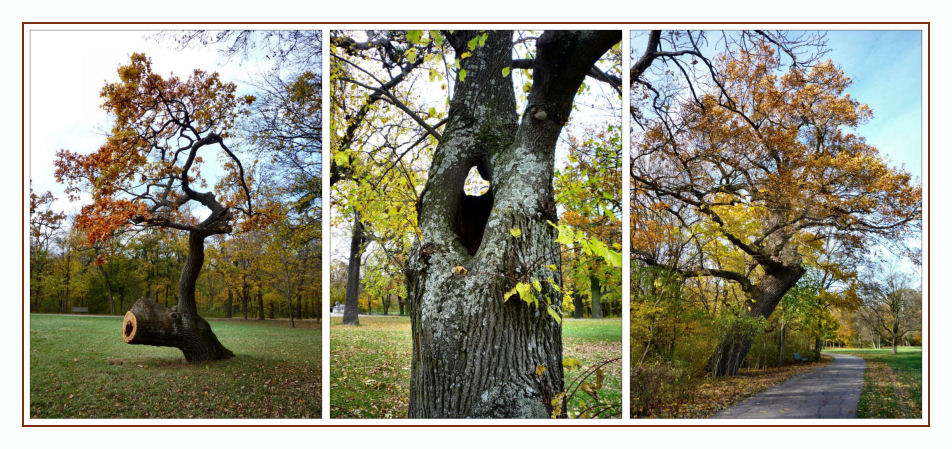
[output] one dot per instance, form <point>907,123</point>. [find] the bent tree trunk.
<point>474,353</point>
<point>149,323</point>
<point>765,296</point>
<point>351,303</point>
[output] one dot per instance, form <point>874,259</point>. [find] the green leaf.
<point>482,39</point>
<point>462,74</point>
<point>341,158</point>
<point>553,285</point>
<point>414,36</point>
<point>432,111</point>
<point>505,72</point>
<point>437,37</point>
<point>435,75</point>
<point>554,314</point>
<point>411,54</point>
<point>473,43</point>
<point>537,285</point>
<point>508,294</point>
<point>465,55</point>
<point>570,364</point>
<point>516,232</point>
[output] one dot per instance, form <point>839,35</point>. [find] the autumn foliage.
<point>143,173</point>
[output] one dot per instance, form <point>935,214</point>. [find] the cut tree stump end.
<point>129,327</point>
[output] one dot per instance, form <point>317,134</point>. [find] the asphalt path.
<point>831,391</point>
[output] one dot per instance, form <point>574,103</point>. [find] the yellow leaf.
<point>460,271</point>
<point>540,369</point>
<point>516,232</point>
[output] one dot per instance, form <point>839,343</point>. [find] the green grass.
<point>370,364</point>
<point>892,387</point>
<point>80,368</point>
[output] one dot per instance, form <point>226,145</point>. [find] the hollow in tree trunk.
<point>476,354</point>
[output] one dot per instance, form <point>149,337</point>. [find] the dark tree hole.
<point>128,330</point>
<point>476,202</point>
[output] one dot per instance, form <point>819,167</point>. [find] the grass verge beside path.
<point>892,385</point>
<point>80,368</point>
<point>370,363</point>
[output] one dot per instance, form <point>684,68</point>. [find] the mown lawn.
<point>370,364</point>
<point>893,383</point>
<point>80,368</point>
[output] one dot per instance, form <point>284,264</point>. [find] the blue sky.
<point>886,68</point>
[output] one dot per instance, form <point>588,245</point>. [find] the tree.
<point>468,255</point>
<point>757,168</point>
<point>146,174</point>
<point>892,308</point>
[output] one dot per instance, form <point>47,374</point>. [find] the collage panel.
<point>175,224</point>
<point>776,224</point>
<point>475,224</point>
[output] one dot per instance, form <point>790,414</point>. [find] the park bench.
<point>80,309</point>
<point>798,358</point>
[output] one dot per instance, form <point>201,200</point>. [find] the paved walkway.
<point>831,391</point>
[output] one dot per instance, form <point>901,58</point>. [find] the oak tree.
<point>147,174</point>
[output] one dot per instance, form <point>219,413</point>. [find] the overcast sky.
<point>69,68</point>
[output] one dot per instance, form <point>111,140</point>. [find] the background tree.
<point>892,308</point>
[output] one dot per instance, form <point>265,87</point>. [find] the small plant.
<point>590,382</point>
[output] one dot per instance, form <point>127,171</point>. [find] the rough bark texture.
<point>351,304</point>
<point>475,354</point>
<point>149,323</point>
<point>765,296</point>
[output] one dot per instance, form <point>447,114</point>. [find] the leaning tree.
<point>147,174</point>
<point>762,163</point>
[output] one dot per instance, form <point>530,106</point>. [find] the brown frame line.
<point>329,421</point>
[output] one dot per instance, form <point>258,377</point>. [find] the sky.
<point>67,70</point>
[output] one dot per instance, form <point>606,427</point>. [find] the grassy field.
<point>80,368</point>
<point>893,383</point>
<point>370,364</point>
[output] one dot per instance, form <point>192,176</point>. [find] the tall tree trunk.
<point>260,304</point>
<point>596,297</point>
<point>149,323</point>
<point>401,302</point>
<point>351,304</point>
<point>105,278</point>
<point>244,297</point>
<point>228,303</point>
<point>475,354</point>
<point>765,296</point>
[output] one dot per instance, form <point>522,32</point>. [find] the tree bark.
<point>105,277</point>
<point>149,323</point>
<point>765,296</point>
<point>476,354</point>
<point>596,297</point>
<point>351,304</point>
<point>228,303</point>
<point>260,305</point>
<point>152,324</point>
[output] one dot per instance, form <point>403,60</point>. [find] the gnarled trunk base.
<point>149,323</point>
